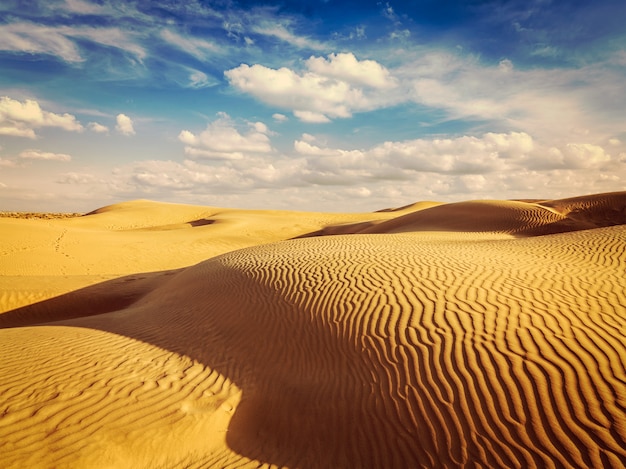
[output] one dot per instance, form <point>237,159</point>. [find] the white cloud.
<point>82,7</point>
<point>470,164</point>
<point>472,182</point>
<point>318,176</point>
<point>554,105</point>
<point>584,155</point>
<point>8,163</point>
<point>362,192</point>
<point>42,155</point>
<point>17,130</point>
<point>389,13</point>
<point>37,39</point>
<point>328,89</point>
<point>98,128</point>
<point>550,104</point>
<point>19,119</point>
<point>113,37</point>
<point>347,68</point>
<point>77,178</point>
<point>311,117</point>
<point>199,48</point>
<point>505,65</point>
<point>124,125</point>
<point>280,31</point>
<point>400,34</point>
<point>154,176</point>
<point>198,79</point>
<point>59,40</point>
<point>222,140</point>
<point>308,138</point>
<point>280,117</point>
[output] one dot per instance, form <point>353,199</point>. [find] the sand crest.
<point>426,344</point>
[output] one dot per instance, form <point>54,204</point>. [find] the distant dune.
<point>471,334</point>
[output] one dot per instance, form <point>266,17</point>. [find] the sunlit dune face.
<point>485,333</point>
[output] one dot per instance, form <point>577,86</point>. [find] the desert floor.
<point>471,334</point>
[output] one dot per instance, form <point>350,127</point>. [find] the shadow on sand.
<point>310,396</point>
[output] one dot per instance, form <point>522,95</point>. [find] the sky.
<point>320,105</point>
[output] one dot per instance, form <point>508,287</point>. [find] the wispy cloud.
<point>198,48</point>
<point>82,7</point>
<point>44,155</point>
<point>552,103</point>
<point>283,33</point>
<point>60,41</point>
<point>37,39</point>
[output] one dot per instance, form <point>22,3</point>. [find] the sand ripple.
<point>373,350</point>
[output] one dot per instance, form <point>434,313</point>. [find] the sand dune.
<point>518,218</point>
<point>43,258</point>
<point>432,343</point>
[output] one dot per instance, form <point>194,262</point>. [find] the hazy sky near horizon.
<point>309,105</point>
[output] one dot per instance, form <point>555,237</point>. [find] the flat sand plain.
<point>471,334</point>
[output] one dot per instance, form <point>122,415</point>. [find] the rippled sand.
<point>146,335</point>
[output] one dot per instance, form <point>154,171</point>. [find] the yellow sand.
<point>487,333</point>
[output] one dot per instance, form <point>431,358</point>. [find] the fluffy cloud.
<point>478,166</point>
<point>42,155</point>
<point>223,141</point>
<point>347,68</point>
<point>20,119</point>
<point>583,156</point>
<point>330,88</point>
<point>233,164</point>
<point>124,125</point>
<point>462,155</point>
<point>98,128</point>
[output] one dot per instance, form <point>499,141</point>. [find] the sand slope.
<point>42,258</point>
<point>414,349</point>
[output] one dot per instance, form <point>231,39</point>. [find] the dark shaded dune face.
<point>596,210</point>
<point>397,351</point>
<point>518,218</point>
<point>477,216</point>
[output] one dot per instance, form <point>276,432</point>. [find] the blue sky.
<point>309,105</point>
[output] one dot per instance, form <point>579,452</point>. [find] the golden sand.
<point>484,333</point>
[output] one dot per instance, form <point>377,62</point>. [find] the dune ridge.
<point>408,349</point>
<point>512,217</point>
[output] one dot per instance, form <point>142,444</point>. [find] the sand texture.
<point>474,334</point>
